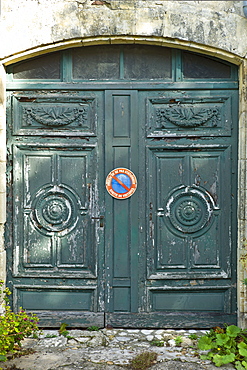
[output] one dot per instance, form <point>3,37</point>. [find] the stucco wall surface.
<point>27,24</point>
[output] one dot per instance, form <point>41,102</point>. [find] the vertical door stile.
<point>121,135</point>
<point>109,203</point>
<point>135,204</point>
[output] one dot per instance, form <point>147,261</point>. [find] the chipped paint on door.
<point>164,257</point>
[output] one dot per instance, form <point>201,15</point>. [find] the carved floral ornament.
<point>187,116</point>
<point>55,116</point>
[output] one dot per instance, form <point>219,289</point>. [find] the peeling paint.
<point>182,252</point>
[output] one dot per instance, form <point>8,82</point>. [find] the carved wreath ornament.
<point>187,116</point>
<point>55,116</point>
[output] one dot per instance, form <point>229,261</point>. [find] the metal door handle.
<point>101,218</point>
<point>160,212</point>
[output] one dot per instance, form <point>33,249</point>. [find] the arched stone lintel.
<point>104,40</point>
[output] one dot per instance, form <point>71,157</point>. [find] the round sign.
<point>121,183</point>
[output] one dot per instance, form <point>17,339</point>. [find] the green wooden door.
<point>164,257</point>
<point>190,200</point>
<point>181,249</point>
<point>56,208</point>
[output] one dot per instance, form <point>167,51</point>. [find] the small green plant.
<point>36,334</point>
<point>65,333</point>
<point>193,336</point>
<point>225,345</point>
<point>50,336</point>
<point>63,329</point>
<point>143,361</point>
<point>14,327</point>
<point>178,340</point>
<point>93,328</point>
<point>157,343</point>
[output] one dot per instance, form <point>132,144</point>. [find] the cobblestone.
<point>110,349</point>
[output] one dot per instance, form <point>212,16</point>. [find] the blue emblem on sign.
<point>121,183</point>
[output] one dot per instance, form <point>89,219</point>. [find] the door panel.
<point>58,234</point>
<point>50,114</point>
<point>53,299</point>
<point>194,113</point>
<point>190,221</point>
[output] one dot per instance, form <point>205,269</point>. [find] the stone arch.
<point>111,40</point>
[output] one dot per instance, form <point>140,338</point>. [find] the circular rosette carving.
<point>189,209</point>
<point>55,210</point>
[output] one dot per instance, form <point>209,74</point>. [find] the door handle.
<point>160,212</point>
<point>101,219</point>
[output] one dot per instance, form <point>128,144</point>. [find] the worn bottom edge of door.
<point>183,320</point>
<point>78,319</point>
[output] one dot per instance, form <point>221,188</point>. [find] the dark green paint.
<point>165,257</point>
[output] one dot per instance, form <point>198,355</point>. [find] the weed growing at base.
<point>14,327</point>
<point>143,361</point>
<point>193,336</point>
<point>178,340</point>
<point>157,343</point>
<point>225,345</point>
<point>93,328</point>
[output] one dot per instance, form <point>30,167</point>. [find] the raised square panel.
<point>121,299</point>
<point>38,298</point>
<point>188,300</point>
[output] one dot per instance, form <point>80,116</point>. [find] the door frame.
<point>241,192</point>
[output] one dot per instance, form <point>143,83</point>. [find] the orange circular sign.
<point>121,183</point>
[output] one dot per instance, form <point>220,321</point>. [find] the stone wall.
<point>29,26</point>
<point>219,28</point>
<point>2,174</point>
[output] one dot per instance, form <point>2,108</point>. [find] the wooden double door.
<point>164,257</point>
